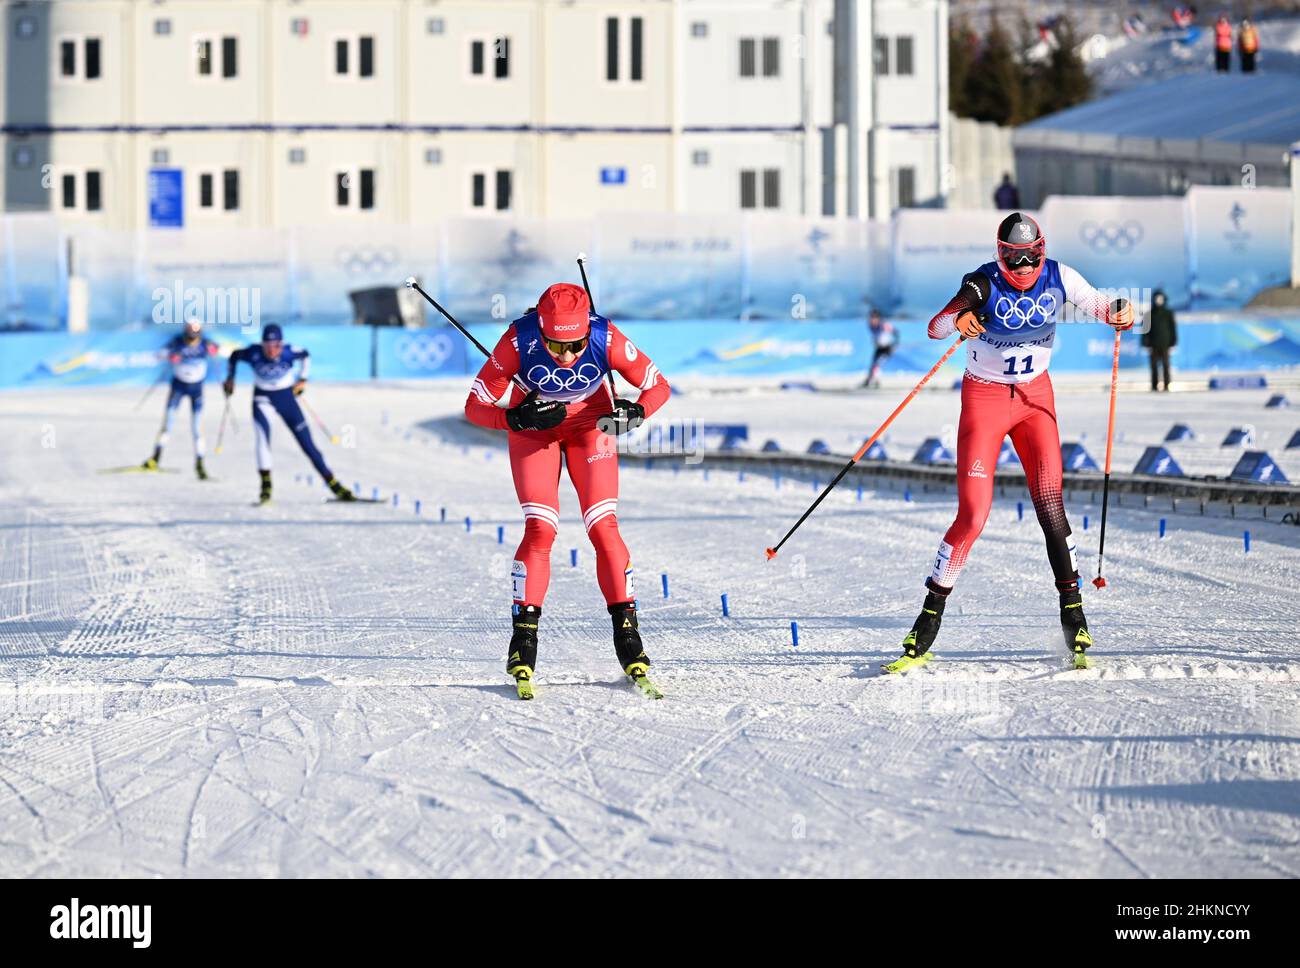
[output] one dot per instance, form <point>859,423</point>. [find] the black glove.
<point>228,387</point>
<point>534,414</point>
<point>626,416</point>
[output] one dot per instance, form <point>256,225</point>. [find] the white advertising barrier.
<point>808,268</point>
<point>934,248</point>
<point>107,260</point>
<point>329,262</point>
<point>226,277</point>
<point>495,268</point>
<point>32,262</point>
<point>670,266</point>
<point>1120,243</point>
<point>1238,242</point>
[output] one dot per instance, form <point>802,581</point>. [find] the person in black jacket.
<point>1161,337</point>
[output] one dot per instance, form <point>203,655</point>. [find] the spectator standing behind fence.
<point>1007,196</point>
<point>1247,46</point>
<point>1222,44</point>
<point>1160,337</point>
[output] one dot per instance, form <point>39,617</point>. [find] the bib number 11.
<point>1026,366</point>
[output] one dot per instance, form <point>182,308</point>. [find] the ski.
<point>355,500</point>
<point>905,663</point>
<point>137,469</point>
<point>646,687</point>
<point>524,686</point>
<point>1080,660</point>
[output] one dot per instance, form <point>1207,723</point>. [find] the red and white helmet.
<point>1020,242</point>
<point>563,311</point>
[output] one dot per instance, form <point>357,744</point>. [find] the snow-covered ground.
<point>197,686</point>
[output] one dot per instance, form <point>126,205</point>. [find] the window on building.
<point>903,56</point>
<point>501,61</point>
<point>229,57</point>
<point>611,48</point>
<point>354,188</point>
<point>771,56</point>
<point>700,157</point>
<point>81,190</point>
<point>206,53</point>
<point>616,56</point>
<point>491,190</point>
<point>747,56</point>
<point>748,189</point>
<point>498,48</point>
<point>229,184</point>
<point>699,29</point>
<point>771,188</point>
<point>882,56</point>
<point>85,67</point>
<point>637,45</point>
<point>905,191</point>
<point>354,55</point>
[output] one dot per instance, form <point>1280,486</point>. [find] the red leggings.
<point>989,413</point>
<point>593,468</point>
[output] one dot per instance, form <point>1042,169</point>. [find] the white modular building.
<point>127,114</point>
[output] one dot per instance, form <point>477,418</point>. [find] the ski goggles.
<point>1029,254</point>
<point>560,347</point>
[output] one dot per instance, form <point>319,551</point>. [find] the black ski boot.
<point>340,492</point>
<point>917,642</point>
<point>199,469</point>
<point>522,657</point>
<point>152,463</point>
<point>265,496</point>
<point>627,644</point>
<point>1075,627</point>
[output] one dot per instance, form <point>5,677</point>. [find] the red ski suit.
<point>590,455</point>
<point>1007,394</point>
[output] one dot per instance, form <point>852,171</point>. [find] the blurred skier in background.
<point>275,389</point>
<point>884,337</point>
<point>188,355</point>
<point>1007,196</point>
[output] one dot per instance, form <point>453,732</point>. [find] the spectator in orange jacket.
<point>1247,46</point>
<point>1223,44</point>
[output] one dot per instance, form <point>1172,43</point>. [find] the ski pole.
<point>152,387</point>
<point>582,268</point>
<point>412,284</point>
<point>1110,440</point>
<point>771,552</point>
<point>221,431</point>
<point>334,438</point>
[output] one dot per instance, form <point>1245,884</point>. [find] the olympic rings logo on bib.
<point>1016,313</point>
<point>560,380</point>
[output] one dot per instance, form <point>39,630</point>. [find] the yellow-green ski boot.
<point>917,642</point>
<point>521,659</point>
